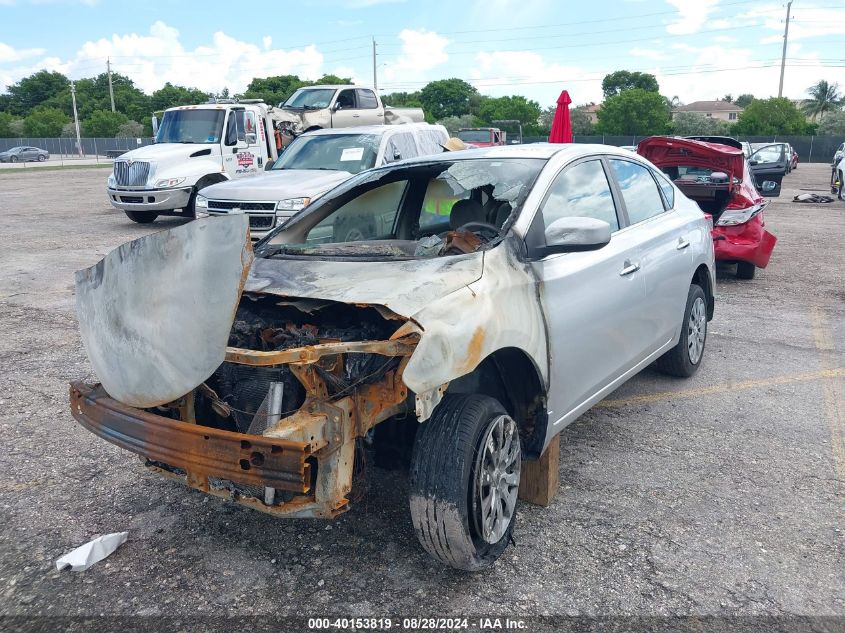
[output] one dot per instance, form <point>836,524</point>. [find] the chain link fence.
<point>67,149</point>
<point>810,149</point>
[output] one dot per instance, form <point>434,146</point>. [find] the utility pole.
<point>783,55</point>
<point>111,90</point>
<point>76,119</point>
<point>375,78</point>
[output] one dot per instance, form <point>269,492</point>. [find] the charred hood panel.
<point>155,313</point>
<point>405,287</point>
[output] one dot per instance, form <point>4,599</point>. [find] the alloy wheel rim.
<point>696,330</point>
<point>497,479</point>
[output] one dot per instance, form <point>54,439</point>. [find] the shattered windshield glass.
<point>310,98</point>
<point>416,210</point>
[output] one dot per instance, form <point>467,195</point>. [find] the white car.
<point>314,163</point>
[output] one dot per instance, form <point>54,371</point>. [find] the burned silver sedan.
<point>453,313</point>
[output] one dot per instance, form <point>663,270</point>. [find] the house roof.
<point>708,106</point>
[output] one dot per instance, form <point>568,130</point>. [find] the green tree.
<point>402,99</point>
<point>777,115</point>
<point>833,123</point>
<point>332,80</point>
<point>170,96</point>
<point>824,97</point>
<point>694,123</point>
<point>728,97</point>
<point>515,107</point>
<point>92,94</point>
<point>44,122</point>
<point>35,90</point>
<point>634,111</point>
<point>455,123</point>
<point>103,123</point>
<point>6,125</point>
<point>447,97</point>
<point>621,80</point>
<point>130,129</point>
<point>582,125</point>
<point>744,100</point>
<point>274,89</point>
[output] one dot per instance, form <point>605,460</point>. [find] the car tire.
<point>141,217</point>
<point>680,360</point>
<point>841,185</point>
<point>745,270</point>
<point>190,211</point>
<point>41,158</point>
<point>466,453</point>
<point>13,159</point>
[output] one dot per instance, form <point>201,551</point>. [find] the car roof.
<point>532,150</point>
<point>372,129</point>
<point>333,87</point>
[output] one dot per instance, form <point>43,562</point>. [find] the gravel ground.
<point>721,495</point>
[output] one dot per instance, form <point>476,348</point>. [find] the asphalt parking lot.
<point>723,494</point>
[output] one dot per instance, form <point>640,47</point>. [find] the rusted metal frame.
<point>198,450</point>
<point>313,353</point>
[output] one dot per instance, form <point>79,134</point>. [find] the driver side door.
<point>768,167</point>
<point>345,111</point>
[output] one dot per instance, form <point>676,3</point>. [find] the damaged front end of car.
<point>275,394</point>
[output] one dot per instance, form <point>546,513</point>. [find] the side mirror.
<point>752,162</point>
<point>397,155</point>
<point>337,106</point>
<point>568,235</point>
<point>251,139</point>
<point>154,122</point>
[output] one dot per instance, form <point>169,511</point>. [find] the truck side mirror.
<point>154,122</point>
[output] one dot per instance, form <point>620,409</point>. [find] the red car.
<point>717,176</point>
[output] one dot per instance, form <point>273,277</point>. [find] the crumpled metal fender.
<point>155,313</point>
<point>499,310</point>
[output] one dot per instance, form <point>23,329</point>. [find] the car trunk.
<point>690,165</point>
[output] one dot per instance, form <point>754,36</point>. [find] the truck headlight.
<point>201,206</point>
<point>111,182</point>
<point>169,182</point>
<point>292,204</point>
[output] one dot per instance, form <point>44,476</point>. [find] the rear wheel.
<point>41,158</point>
<point>684,359</point>
<point>464,481</point>
<point>141,217</point>
<point>745,270</point>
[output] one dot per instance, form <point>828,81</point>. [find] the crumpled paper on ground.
<point>92,552</point>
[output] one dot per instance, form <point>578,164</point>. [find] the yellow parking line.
<point>836,372</point>
<point>832,401</point>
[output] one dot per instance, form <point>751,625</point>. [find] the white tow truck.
<point>195,146</point>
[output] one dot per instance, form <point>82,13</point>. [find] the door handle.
<point>682,244</point>
<point>629,268</point>
<point>355,116</point>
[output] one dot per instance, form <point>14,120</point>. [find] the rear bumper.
<point>200,451</point>
<point>154,200</point>
<point>749,242</point>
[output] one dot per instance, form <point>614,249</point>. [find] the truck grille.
<point>261,222</point>
<point>228,205</point>
<point>131,173</point>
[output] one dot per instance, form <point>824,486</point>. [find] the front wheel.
<point>684,359</point>
<point>41,158</point>
<point>464,481</point>
<point>13,159</point>
<point>141,217</point>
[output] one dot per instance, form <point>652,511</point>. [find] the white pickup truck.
<point>195,146</point>
<point>318,107</point>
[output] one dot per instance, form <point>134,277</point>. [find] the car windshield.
<point>310,99</point>
<point>409,211</point>
<point>191,126</point>
<point>338,152</point>
<point>474,136</point>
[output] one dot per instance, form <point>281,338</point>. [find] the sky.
<point>698,49</point>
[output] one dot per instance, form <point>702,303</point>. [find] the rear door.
<point>370,112</point>
<point>346,112</point>
<point>665,259</point>
<point>593,299</point>
<point>768,166</point>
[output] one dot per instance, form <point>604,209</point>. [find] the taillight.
<point>732,217</point>
<point>709,219</point>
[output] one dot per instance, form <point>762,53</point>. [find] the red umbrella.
<point>561,126</point>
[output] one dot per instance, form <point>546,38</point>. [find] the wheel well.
<point>208,180</point>
<point>510,376</point>
<point>702,278</point>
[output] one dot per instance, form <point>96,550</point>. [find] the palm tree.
<point>824,97</point>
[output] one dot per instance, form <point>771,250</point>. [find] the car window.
<point>642,199</point>
<point>400,146</point>
<point>431,141</point>
<point>346,99</point>
<point>581,191</point>
<point>666,187</point>
<point>367,99</point>
<point>768,154</point>
<point>369,216</point>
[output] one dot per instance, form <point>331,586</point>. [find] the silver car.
<point>24,153</point>
<point>455,313</point>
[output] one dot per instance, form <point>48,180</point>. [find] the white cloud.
<point>692,16</point>
<point>647,53</point>
<point>421,52</point>
<point>10,54</point>
<point>267,40</point>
